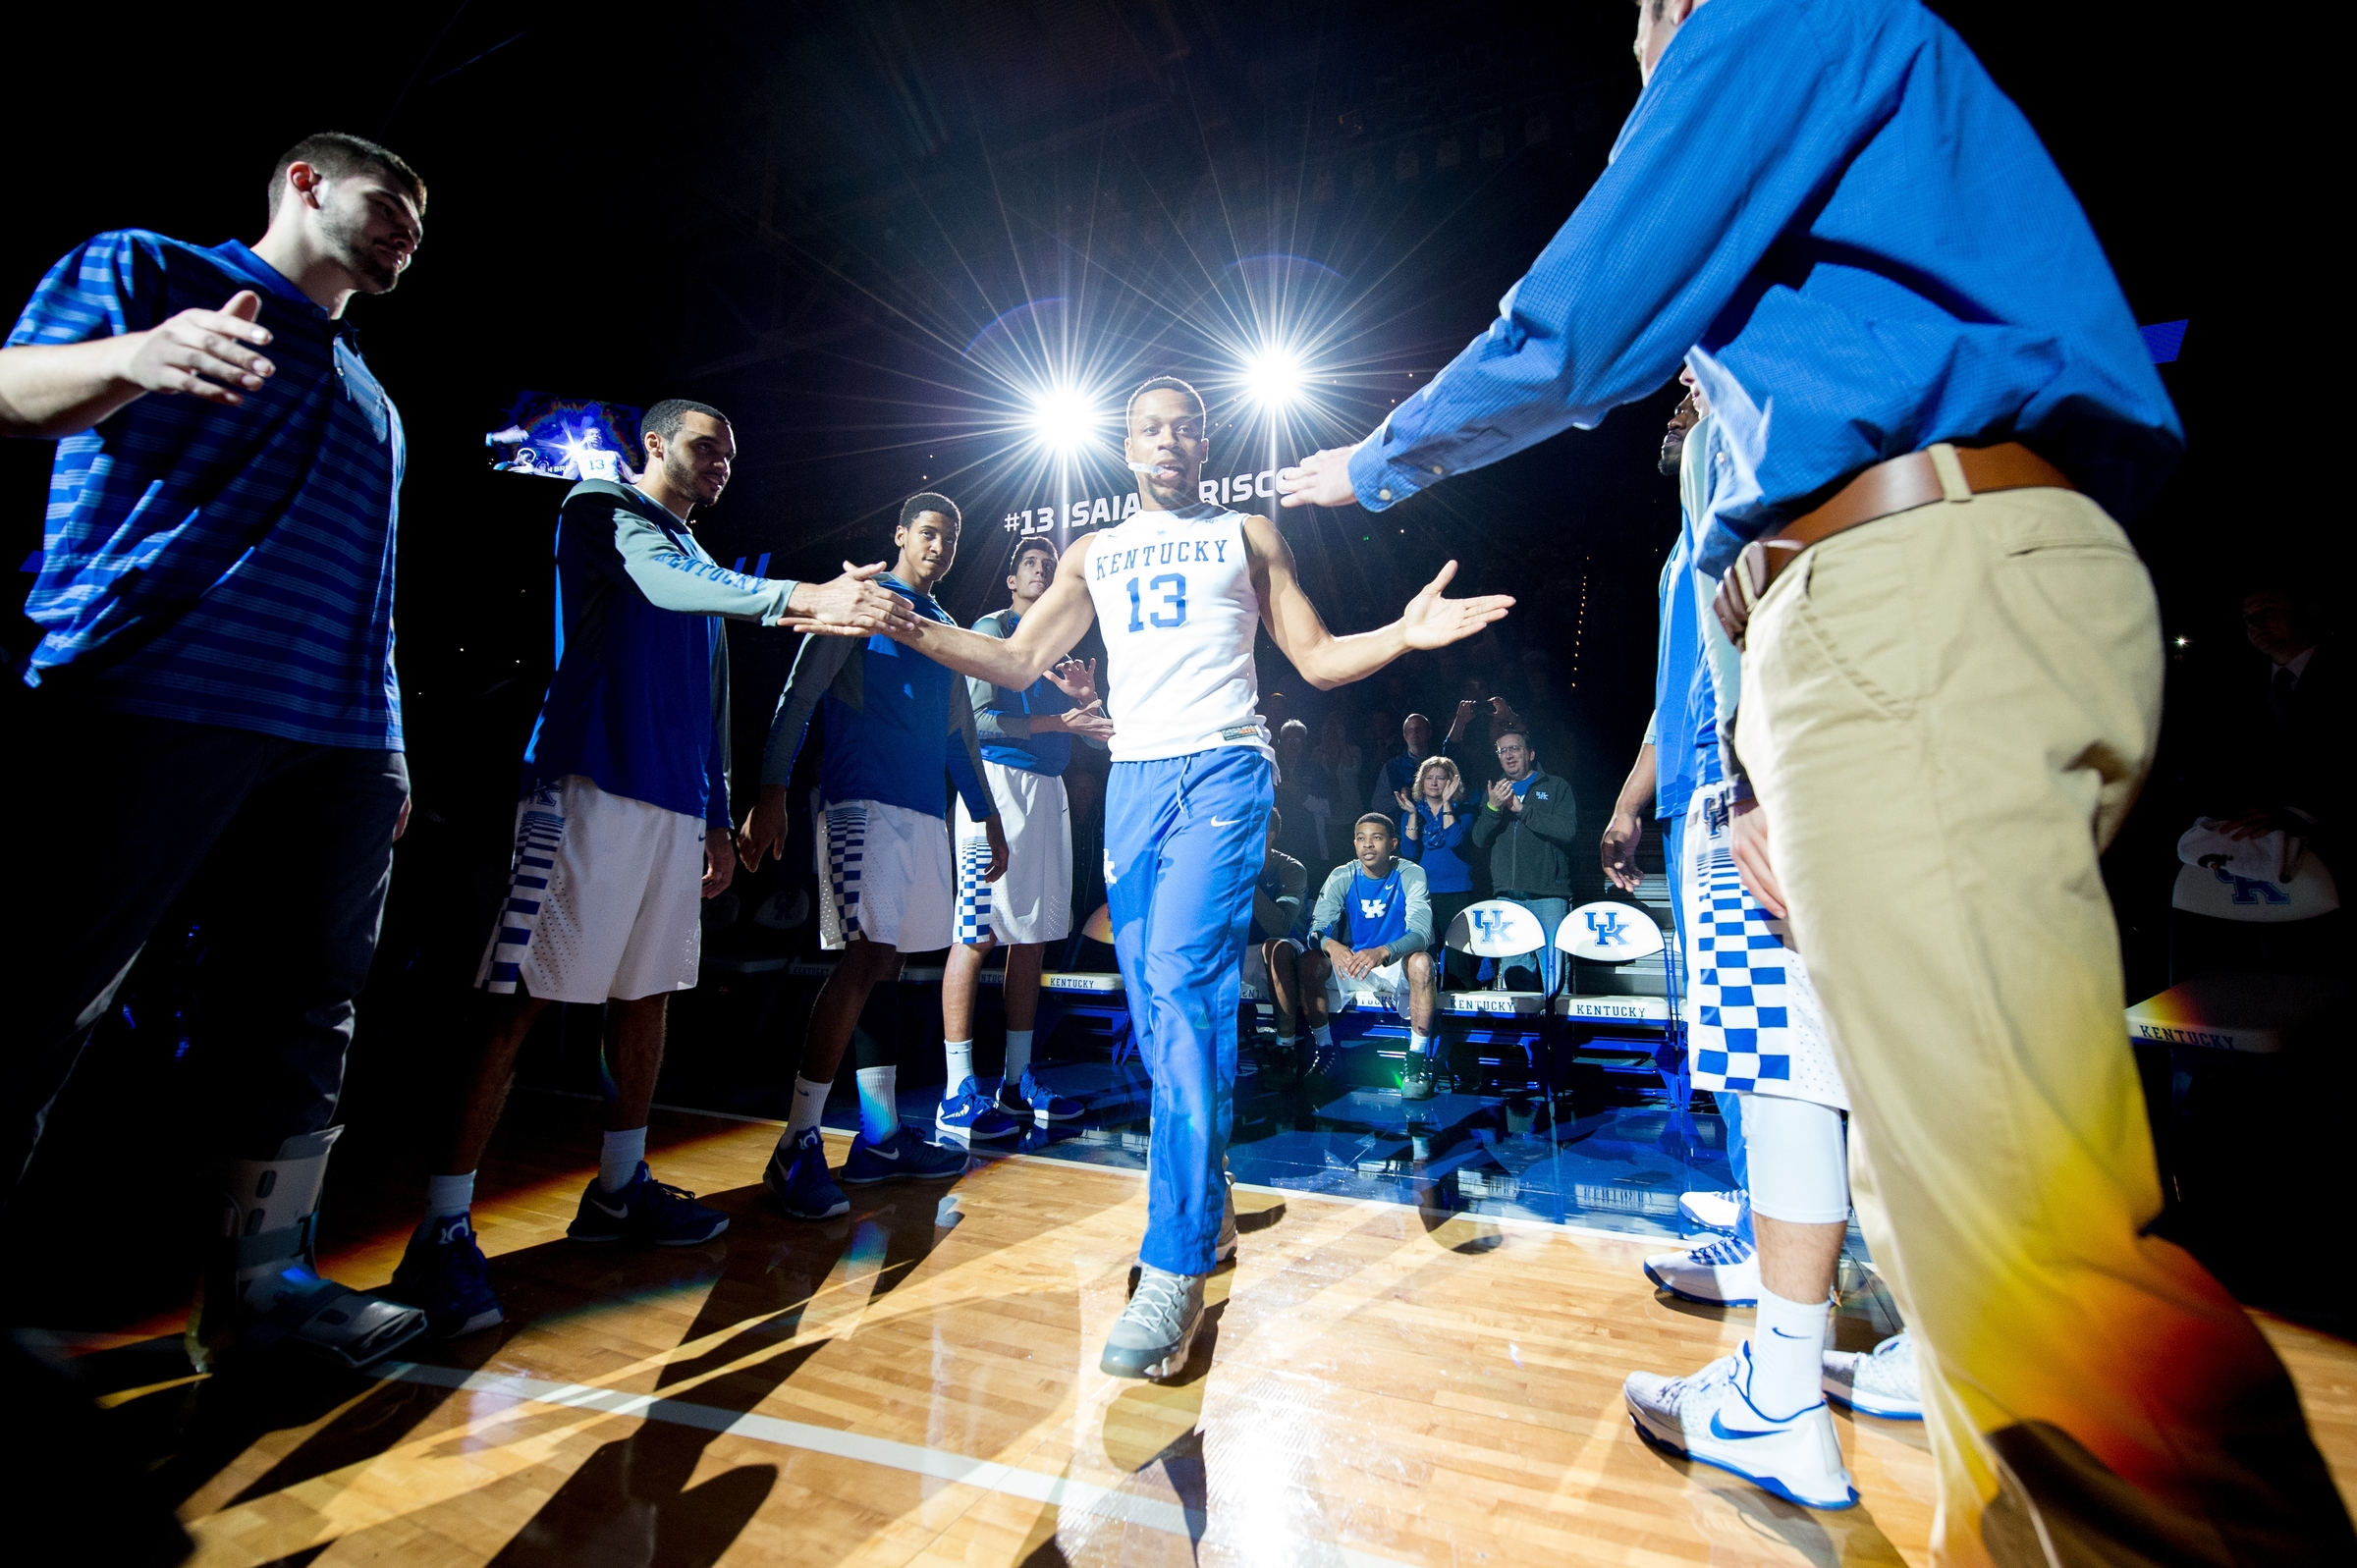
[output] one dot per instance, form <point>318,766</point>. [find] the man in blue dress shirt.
<point>1935,403</point>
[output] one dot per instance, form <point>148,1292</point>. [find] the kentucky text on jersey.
<point>1170,552</point>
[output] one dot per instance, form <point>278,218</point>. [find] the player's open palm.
<point>206,354</point>
<point>1075,679</point>
<point>1431,620</point>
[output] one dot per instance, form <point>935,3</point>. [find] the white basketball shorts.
<point>884,876</point>
<point>605,898</point>
<point>1033,900</point>
<point>1387,985</point>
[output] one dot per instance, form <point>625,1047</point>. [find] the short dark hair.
<point>1518,733</point>
<point>1380,819</point>
<point>1162,384</point>
<point>335,153</point>
<point>925,501</point>
<point>1026,546</point>
<point>666,417</point>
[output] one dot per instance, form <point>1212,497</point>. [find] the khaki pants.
<point>1946,713</point>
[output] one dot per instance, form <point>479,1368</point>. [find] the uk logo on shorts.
<point>540,834</point>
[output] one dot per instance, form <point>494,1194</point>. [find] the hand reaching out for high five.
<point>1431,621</point>
<point>179,355</point>
<point>853,605</point>
<point>1321,479</point>
<point>1076,681</point>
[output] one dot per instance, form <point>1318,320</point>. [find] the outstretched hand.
<point>852,605</point>
<point>1076,681</point>
<point>1321,479</point>
<point>181,353</point>
<point>1433,621</point>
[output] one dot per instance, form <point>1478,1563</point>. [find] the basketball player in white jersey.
<point>1178,589</point>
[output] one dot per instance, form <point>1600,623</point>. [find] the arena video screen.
<point>566,438</point>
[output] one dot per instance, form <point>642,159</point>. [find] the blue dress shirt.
<point>1830,212</point>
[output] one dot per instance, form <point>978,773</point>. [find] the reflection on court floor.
<point>917,1383</point>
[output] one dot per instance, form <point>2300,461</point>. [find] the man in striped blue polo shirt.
<point>216,591</point>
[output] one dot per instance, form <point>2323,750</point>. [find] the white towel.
<point>2270,857</point>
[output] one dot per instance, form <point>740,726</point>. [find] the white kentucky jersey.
<point>1175,604</point>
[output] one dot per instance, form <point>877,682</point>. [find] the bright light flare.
<point>1275,377</point>
<point>1062,421</point>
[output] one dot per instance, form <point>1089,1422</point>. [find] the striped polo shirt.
<point>215,565</point>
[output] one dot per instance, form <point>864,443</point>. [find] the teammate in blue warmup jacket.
<point>1026,745</point>
<point>621,831</point>
<point>894,724</point>
<point>1178,589</point>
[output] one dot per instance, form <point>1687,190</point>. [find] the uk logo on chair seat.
<point>1608,933</point>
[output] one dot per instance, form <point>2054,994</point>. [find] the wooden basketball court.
<point>916,1383</point>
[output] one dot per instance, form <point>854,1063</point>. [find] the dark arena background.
<point>931,246</point>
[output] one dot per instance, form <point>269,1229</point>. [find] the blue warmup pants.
<point>1185,837</point>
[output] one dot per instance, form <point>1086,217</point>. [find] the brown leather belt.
<point>1900,484</point>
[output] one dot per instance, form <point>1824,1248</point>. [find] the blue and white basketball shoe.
<point>1725,1274</point>
<point>902,1157</point>
<point>799,1179</point>
<point>443,1273</point>
<point>1881,1381</point>
<point>970,1114</point>
<point>1032,1101</point>
<point>646,1210</point>
<point>1710,1419</point>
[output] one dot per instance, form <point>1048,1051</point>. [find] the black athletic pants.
<point>116,816</point>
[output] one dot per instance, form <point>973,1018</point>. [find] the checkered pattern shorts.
<point>1753,1024</point>
<point>885,877</point>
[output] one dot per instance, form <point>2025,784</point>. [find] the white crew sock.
<point>618,1162</point>
<point>879,1104</point>
<point>1419,1043</point>
<point>446,1195</point>
<point>809,1103</point>
<point>1019,1054</point>
<point>960,1056</point>
<point>1288,1042</point>
<point>1787,1355</point>
<point>1323,1034</point>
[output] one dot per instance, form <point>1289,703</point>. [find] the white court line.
<point>987,1475</point>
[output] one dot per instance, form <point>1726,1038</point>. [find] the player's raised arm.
<point>1058,621</point>
<point>1327,661</point>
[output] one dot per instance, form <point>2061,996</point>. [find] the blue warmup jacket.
<point>888,711</point>
<point>640,701</point>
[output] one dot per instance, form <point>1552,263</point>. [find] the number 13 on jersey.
<point>1168,611</point>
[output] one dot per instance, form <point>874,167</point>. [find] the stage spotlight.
<point>1063,419</point>
<point>1274,377</point>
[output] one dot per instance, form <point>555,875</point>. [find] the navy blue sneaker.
<point>646,1210</point>
<point>798,1178</point>
<point>1043,1105</point>
<point>970,1114</point>
<point>443,1274</point>
<point>902,1157</point>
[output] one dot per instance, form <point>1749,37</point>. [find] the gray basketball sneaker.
<point>1157,1329</point>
